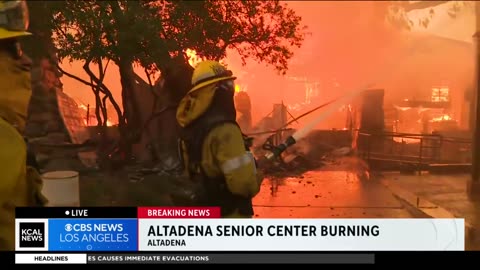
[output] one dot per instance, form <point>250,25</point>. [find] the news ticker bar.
<point>381,257</point>
<point>159,258</point>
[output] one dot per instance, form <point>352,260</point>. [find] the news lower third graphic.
<point>92,235</point>
<point>178,229</point>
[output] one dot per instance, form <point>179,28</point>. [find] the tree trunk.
<point>130,106</point>
<point>44,122</point>
<point>98,107</point>
<point>177,82</point>
<point>45,76</point>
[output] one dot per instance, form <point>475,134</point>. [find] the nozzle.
<point>279,149</point>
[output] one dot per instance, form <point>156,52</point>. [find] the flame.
<point>94,123</point>
<point>406,140</point>
<point>193,58</point>
<point>237,88</point>
<point>441,118</point>
<point>93,120</point>
<point>440,94</point>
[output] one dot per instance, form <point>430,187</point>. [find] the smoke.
<point>349,46</point>
<point>346,42</point>
<point>302,132</point>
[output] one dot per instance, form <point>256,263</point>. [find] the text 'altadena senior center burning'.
<point>177,235</point>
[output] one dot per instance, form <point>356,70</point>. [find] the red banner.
<point>178,212</point>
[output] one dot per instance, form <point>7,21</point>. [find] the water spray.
<point>276,151</point>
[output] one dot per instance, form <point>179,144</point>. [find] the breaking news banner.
<point>200,229</point>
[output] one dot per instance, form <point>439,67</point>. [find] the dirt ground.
<point>115,189</point>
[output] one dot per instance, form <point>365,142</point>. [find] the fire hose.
<point>275,151</point>
<point>295,119</point>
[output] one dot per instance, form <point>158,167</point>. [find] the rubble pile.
<point>45,129</point>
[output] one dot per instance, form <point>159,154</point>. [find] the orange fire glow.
<point>109,124</point>
<point>94,123</point>
<point>441,118</point>
<point>404,63</point>
<point>193,58</point>
<point>406,140</point>
<point>93,120</point>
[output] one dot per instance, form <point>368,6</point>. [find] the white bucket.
<point>61,188</point>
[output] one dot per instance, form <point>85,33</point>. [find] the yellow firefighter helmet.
<point>14,19</point>
<point>209,72</point>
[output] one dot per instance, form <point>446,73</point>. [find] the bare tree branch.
<point>98,103</point>
<point>106,91</point>
<point>100,70</point>
<point>104,110</point>
<point>150,83</point>
<point>74,77</point>
<point>106,66</point>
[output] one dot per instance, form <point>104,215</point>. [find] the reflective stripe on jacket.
<point>225,161</point>
<point>224,153</point>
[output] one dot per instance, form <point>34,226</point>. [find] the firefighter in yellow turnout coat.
<point>213,147</point>
<point>20,184</point>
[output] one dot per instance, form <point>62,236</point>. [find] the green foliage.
<point>41,25</point>
<point>152,33</point>
<point>262,30</point>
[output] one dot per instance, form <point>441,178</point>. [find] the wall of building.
<point>46,128</point>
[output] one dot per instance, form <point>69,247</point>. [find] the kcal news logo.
<point>32,234</point>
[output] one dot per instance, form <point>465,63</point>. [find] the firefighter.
<point>213,147</point>
<point>244,108</point>
<point>20,185</point>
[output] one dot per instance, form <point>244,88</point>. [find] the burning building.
<point>90,118</point>
<point>428,82</point>
<point>425,116</point>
